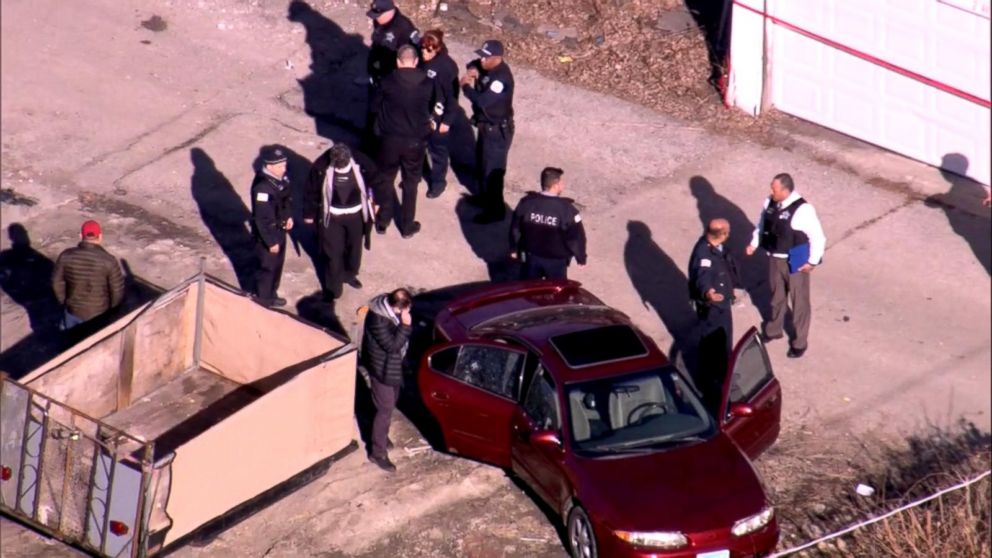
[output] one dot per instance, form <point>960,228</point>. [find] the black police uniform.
<point>712,267</point>
<point>386,40</point>
<point>443,70</point>
<point>546,231</point>
<point>405,101</point>
<point>492,113</point>
<point>343,214</point>
<point>271,209</point>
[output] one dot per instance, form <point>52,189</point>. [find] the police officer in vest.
<point>339,195</point>
<point>712,279</point>
<point>488,84</point>
<point>790,233</point>
<point>546,230</point>
<point>271,218</point>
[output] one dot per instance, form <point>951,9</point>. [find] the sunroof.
<point>598,345</point>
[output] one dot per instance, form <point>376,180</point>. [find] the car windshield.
<point>633,412</point>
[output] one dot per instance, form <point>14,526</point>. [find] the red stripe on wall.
<point>874,60</point>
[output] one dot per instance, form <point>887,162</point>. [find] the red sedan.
<point>543,379</point>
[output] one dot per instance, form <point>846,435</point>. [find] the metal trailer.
<point>179,419</point>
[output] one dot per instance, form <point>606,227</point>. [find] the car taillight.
<point>118,528</point>
<point>5,473</point>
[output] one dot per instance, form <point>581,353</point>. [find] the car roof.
<point>560,328</point>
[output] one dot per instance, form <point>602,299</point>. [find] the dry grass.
<point>820,498</point>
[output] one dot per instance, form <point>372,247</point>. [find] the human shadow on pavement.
<point>224,213</point>
<point>963,206</point>
<point>662,286</point>
<point>490,242</point>
<point>461,148</point>
<point>26,277</point>
<point>753,270</point>
<point>335,93</point>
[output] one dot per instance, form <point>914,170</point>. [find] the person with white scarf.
<point>339,198</point>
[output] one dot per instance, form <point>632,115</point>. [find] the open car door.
<point>751,403</point>
<point>472,390</point>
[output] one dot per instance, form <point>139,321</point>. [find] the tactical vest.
<point>777,234</point>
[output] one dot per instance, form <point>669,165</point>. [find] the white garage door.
<point>911,76</point>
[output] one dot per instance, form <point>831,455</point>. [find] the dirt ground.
<point>148,116</point>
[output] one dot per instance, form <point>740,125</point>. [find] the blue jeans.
<point>69,321</point>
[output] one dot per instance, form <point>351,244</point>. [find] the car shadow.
<point>662,286</point>
<point>490,243</point>
<point>963,206</point>
<point>753,270</point>
<point>550,513</point>
<point>225,215</point>
<point>335,93</point>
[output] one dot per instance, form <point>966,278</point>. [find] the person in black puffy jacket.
<point>384,346</point>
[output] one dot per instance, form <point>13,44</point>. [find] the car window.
<point>493,369</point>
<point>541,404</point>
<point>751,372</point>
<point>444,361</point>
<point>644,409</point>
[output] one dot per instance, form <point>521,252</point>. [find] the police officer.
<point>440,67</point>
<point>405,102</point>
<point>791,233</point>
<point>546,230</point>
<point>390,30</point>
<point>712,279</point>
<point>339,195</point>
<point>271,217</point>
<point>488,84</point>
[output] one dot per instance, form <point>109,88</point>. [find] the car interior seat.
<point>580,420</point>
<point>647,392</point>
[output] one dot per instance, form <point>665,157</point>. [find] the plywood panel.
<point>173,403</point>
<point>87,382</point>
<point>287,430</point>
<point>164,343</point>
<point>247,342</point>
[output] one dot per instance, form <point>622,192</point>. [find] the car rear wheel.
<point>581,538</point>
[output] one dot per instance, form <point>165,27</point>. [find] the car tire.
<point>581,537</point>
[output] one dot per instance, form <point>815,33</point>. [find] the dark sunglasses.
<point>430,49</point>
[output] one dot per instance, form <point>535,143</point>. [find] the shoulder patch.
<point>705,262</point>
<point>262,197</point>
<point>496,86</point>
<point>415,37</point>
<point>431,74</point>
<point>578,218</point>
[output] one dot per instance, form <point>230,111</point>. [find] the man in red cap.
<point>87,279</point>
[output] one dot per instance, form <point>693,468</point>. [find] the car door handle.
<point>439,396</point>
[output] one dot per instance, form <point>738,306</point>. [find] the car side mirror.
<point>741,410</point>
<point>545,438</point>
